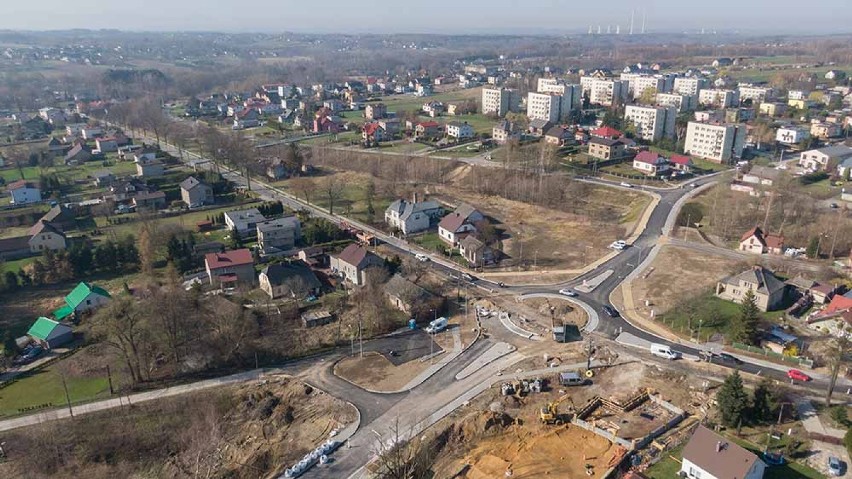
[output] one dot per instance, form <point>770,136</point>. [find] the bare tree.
<point>304,186</point>
<point>333,191</point>
<point>836,358</point>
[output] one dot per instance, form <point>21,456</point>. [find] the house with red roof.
<point>650,163</point>
<point>681,163</point>
<point>230,268</point>
<point>323,122</point>
<point>607,132</point>
<point>840,307</point>
<point>755,241</point>
<point>372,133</point>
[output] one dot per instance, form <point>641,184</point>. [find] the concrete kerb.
<point>590,325</point>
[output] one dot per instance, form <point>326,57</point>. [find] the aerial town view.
<point>426,241</point>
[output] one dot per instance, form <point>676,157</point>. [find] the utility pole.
<point>360,337</point>
<point>109,379</point>
<point>67,397</point>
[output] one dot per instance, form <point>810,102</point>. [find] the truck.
<point>437,325</point>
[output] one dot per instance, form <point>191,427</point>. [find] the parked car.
<point>797,375</point>
<point>619,245</point>
<point>421,257</point>
<point>626,184</point>
<point>835,466</point>
<point>729,358</point>
<point>468,277</point>
<point>610,311</point>
<point>568,292</point>
<point>663,351</point>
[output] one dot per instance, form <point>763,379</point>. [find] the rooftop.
<point>227,259</point>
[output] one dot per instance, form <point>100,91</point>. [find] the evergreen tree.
<point>745,327</point>
<point>812,251</point>
<point>236,239</point>
<point>733,401</point>
<point>763,403</point>
<point>10,280</point>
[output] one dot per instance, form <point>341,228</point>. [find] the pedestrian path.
<point>493,353</point>
<point>431,370</point>
<point>507,322</point>
<point>589,285</point>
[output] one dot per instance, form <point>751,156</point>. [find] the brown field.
<point>375,372</point>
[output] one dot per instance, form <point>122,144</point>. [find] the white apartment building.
<point>719,143</point>
<point>676,100</point>
<point>797,95</point>
<point>689,86</point>
<point>499,101</point>
<point>544,106</point>
<point>605,92</point>
<point>636,86</point>
<point>652,123</point>
<point>756,94</point>
<point>719,98</point>
<point>792,135</point>
<point>550,85</point>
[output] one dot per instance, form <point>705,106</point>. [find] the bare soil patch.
<point>375,372</point>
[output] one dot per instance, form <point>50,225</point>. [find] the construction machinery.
<point>549,414</point>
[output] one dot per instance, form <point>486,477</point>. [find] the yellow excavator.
<point>549,414</point>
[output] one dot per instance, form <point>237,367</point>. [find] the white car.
<point>421,257</point>
<point>619,245</point>
<point>568,292</point>
<point>626,184</point>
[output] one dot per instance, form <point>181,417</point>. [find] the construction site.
<point>568,424</point>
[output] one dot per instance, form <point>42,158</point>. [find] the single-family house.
<point>91,132</point>
<point>607,132</point>
<point>756,242</point>
<point>150,169</point>
<point>455,226</point>
<point>459,130</point>
<point>150,201</point>
<point>428,130</point>
<point>106,145</point>
<point>50,334</point>
<point>650,163</point>
<point>83,298</point>
<point>374,111</point>
<point>230,268</point>
<point>820,158</point>
<point>313,256</point>
<point>372,133</point>
<point>103,178</point>
<point>820,293</point>
<point>768,290</point>
<point>353,262</point>
<point>406,295</point>
<point>708,455</point>
<point>844,168</point>
<point>539,126</point>
<point>23,192</point>
<point>195,192</point>
<point>606,148</point>
<point>278,235</point>
<point>475,252</point>
<point>412,216</point>
<point>61,217</point>
<point>433,108</point>
<point>289,280</point>
<point>391,125</point>
<point>762,175</point>
<point>505,131</point>
<point>681,163</point>
<point>558,136</point>
<point>244,221</point>
<point>45,236</point>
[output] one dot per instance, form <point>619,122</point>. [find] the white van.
<point>437,325</point>
<point>664,351</point>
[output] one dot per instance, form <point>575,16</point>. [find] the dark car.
<point>727,358</point>
<point>610,311</point>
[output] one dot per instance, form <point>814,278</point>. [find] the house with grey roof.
<point>244,221</point>
<point>274,236</point>
<point>820,158</point>
<point>709,455</point>
<point>289,280</point>
<point>353,262</point>
<point>406,295</point>
<point>196,193</point>
<point>413,216</point>
<point>768,290</point>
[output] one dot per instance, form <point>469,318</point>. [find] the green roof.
<point>63,312</point>
<point>79,294</point>
<point>42,328</point>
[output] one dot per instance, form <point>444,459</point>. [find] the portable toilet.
<point>412,324</point>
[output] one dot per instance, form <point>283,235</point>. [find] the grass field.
<point>410,102</point>
<point>18,264</point>
<point>764,75</point>
<point>45,387</point>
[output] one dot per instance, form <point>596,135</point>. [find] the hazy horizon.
<point>441,17</point>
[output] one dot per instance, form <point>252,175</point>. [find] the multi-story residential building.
<point>825,130</point>
<point>499,101</point>
<point>375,111</point>
<point>773,109</point>
<point>544,106</point>
<point>607,92</point>
<point>756,94</point>
<point>676,100</point>
<point>278,235</point>
<point>689,85</point>
<point>550,85</point>
<point>504,132</point>
<point>791,135</point>
<point>639,84</point>
<point>652,123</point>
<point>719,98</point>
<point>719,143</point>
<point>797,95</point>
<point>606,148</point>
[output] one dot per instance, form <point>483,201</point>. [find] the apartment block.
<point>499,101</point>
<point>719,98</point>
<point>652,123</point>
<point>544,106</point>
<point>637,85</point>
<point>606,92</point>
<point>676,100</point>
<point>718,143</point>
<point>756,94</point>
<point>689,86</point>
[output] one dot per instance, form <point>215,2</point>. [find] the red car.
<point>797,375</point>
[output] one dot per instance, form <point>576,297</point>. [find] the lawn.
<point>187,220</point>
<point>403,147</point>
<point>410,102</point>
<point>667,468</point>
<point>45,387</point>
<point>18,264</point>
<point>430,241</point>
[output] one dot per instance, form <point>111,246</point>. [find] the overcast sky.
<point>429,16</point>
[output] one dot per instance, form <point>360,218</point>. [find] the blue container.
<point>412,324</point>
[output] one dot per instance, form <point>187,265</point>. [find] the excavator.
<point>549,414</point>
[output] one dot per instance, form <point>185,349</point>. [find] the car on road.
<point>618,245</point>
<point>833,206</point>
<point>626,184</point>
<point>720,358</point>
<point>835,466</point>
<point>693,185</point>
<point>468,277</point>
<point>421,257</point>
<point>610,311</point>
<point>729,358</point>
<point>501,284</point>
<point>797,375</point>
<point>568,292</point>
